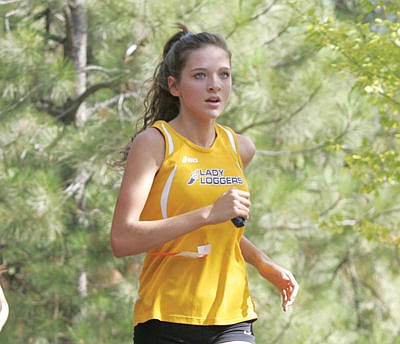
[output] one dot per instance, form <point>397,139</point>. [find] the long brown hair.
<point>159,103</point>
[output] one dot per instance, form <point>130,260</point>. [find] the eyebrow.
<point>205,69</point>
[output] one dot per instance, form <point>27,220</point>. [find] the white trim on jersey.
<point>169,138</point>
<point>231,139</point>
<point>165,193</point>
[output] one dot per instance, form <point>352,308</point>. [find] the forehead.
<point>209,56</point>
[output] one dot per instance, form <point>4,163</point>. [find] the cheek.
<point>189,86</point>
<point>228,87</point>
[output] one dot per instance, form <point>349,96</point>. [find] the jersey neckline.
<point>191,143</point>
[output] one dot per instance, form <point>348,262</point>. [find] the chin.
<point>213,116</point>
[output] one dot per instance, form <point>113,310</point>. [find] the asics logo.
<point>187,159</point>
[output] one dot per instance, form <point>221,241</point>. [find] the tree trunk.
<point>77,32</point>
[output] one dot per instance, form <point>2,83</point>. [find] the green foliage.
<point>368,50</point>
<point>315,86</point>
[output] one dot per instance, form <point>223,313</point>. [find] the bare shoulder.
<point>149,136</point>
<point>148,145</point>
<point>247,149</point>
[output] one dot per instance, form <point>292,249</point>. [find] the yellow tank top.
<point>198,278</point>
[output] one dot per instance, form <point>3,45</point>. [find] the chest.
<point>196,178</point>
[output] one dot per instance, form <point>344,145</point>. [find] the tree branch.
<point>7,2</point>
<point>341,264</point>
<point>265,11</point>
<point>279,34</point>
<point>290,227</point>
<point>253,18</point>
<point>284,328</point>
<point>258,123</point>
<point>19,101</point>
<point>355,282</point>
<point>331,207</point>
<point>305,150</point>
<point>376,294</point>
<point>277,120</point>
<point>291,152</point>
<point>292,60</point>
<point>70,109</point>
<point>108,102</point>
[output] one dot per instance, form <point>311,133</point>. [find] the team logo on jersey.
<point>193,177</point>
<point>213,176</point>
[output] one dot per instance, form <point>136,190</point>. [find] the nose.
<point>213,84</point>
<point>214,87</point>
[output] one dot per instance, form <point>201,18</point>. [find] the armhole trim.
<point>168,140</point>
<point>234,143</point>
<point>168,135</point>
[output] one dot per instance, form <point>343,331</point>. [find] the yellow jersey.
<point>199,278</point>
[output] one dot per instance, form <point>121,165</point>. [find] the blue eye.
<point>225,75</point>
<point>199,75</point>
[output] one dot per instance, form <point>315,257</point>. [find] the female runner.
<point>183,183</point>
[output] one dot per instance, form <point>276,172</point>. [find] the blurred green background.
<point>316,86</point>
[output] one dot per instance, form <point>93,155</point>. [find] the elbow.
<point>115,250</point>
<point>117,247</point>
<point>118,241</point>
<point>116,253</point>
<point>126,239</point>
<point>120,247</point>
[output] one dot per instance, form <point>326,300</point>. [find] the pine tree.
<point>64,118</point>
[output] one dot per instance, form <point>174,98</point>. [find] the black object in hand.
<point>238,221</point>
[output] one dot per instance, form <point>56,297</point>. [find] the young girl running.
<point>183,184</point>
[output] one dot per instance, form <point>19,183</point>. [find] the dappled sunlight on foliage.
<point>315,85</point>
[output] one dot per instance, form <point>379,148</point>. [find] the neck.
<point>200,133</point>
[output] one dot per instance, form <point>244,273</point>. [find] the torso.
<point>206,291</point>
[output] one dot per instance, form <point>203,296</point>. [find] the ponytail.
<point>159,103</point>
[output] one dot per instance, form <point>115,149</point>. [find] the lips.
<point>213,100</point>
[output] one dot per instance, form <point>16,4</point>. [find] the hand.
<point>229,205</point>
<point>282,279</point>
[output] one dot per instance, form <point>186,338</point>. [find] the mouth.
<point>213,100</point>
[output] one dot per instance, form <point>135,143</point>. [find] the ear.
<point>173,86</point>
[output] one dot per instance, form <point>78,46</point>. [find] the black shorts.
<point>161,332</point>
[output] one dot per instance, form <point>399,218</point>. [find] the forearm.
<point>264,264</point>
<point>130,235</point>
<point>253,255</point>
<point>134,237</point>
<point>283,279</point>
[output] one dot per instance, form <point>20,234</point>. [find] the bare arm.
<point>131,236</point>
<point>247,149</point>
<point>283,279</point>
